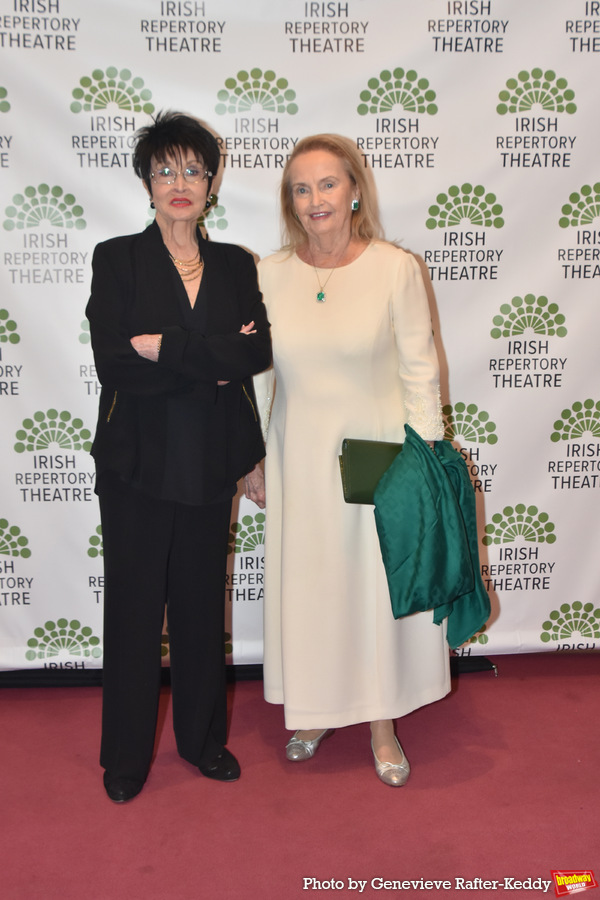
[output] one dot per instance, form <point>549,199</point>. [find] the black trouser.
<point>158,552</point>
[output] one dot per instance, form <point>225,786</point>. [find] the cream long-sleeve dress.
<point>358,365</point>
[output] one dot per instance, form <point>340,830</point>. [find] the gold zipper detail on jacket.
<point>250,402</point>
<point>112,406</point>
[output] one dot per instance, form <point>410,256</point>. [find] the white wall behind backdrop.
<point>480,122</point>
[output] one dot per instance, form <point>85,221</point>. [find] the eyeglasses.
<point>191,174</point>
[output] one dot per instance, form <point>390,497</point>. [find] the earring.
<point>152,206</point>
<point>354,205</point>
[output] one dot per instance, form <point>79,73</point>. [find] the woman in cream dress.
<point>353,357</point>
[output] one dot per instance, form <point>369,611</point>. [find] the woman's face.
<point>322,194</point>
<point>184,199</point>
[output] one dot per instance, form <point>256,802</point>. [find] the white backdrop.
<point>480,122</point>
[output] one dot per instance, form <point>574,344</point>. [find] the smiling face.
<point>322,195</point>
<point>184,199</point>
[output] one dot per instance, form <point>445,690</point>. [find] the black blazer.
<point>134,291</point>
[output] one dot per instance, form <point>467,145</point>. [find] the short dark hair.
<point>169,134</point>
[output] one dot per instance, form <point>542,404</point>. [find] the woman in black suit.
<point>178,329</point>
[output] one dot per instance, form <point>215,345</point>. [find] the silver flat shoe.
<point>394,774</point>
<point>297,750</point>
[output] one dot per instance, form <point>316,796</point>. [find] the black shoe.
<point>224,767</point>
<point>122,789</point>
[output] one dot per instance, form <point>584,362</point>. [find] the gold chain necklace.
<point>321,295</point>
<point>188,269</point>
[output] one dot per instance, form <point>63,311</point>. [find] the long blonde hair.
<point>365,221</point>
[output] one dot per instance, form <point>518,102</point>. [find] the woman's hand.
<point>254,486</point>
<point>147,345</point>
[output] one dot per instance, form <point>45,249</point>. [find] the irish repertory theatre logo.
<point>4,104</point>
<point>519,521</point>
<point>583,207</point>
<point>249,92</point>
<point>52,428</point>
<point>572,622</point>
<point>465,203</point>
<point>397,88</point>
<point>469,422</point>
<point>44,204</point>
<point>63,638</point>
<point>575,422</point>
<point>96,547</point>
<point>12,542</point>
<point>8,329</point>
<point>531,91</point>
<point>528,313</point>
<point>113,88</point>
<point>247,535</point>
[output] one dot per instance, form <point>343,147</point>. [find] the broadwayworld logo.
<point>572,881</point>
<point>112,88</point>
<point>529,312</point>
<point>44,204</point>
<point>534,90</point>
<point>250,91</point>
<point>465,203</point>
<point>397,88</point>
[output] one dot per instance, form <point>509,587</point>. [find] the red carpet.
<point>504,785</point>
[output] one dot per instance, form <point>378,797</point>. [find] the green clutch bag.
<point>362,463</point>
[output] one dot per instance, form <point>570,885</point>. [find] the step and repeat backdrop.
<point>480,123</point>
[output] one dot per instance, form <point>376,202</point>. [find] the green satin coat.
<point>426,522</point>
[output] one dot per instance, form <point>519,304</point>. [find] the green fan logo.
<point>583,207</point>
<point>214,217</point>
<point>96,547</point>
<point>247,535</point>
<point>12,542</point>
<point>519,521</point>
<point>228,643</point>
<point>530,90</point>
<point>528,312</point>
<point>468,422</point>
<point>63,638</point>
<point>580,419</point>
<point>398,88</point>
<point>85,337</point>
<point>4,104</point>
<point>250,91</point>
<point>465,204</point>
<point>52,427</point>
<point>44,204</point>
<point>572,622</point>
<point>8,329</point>
<point>102,90</point>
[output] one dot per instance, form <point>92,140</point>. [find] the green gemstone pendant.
<point>321,297</point>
